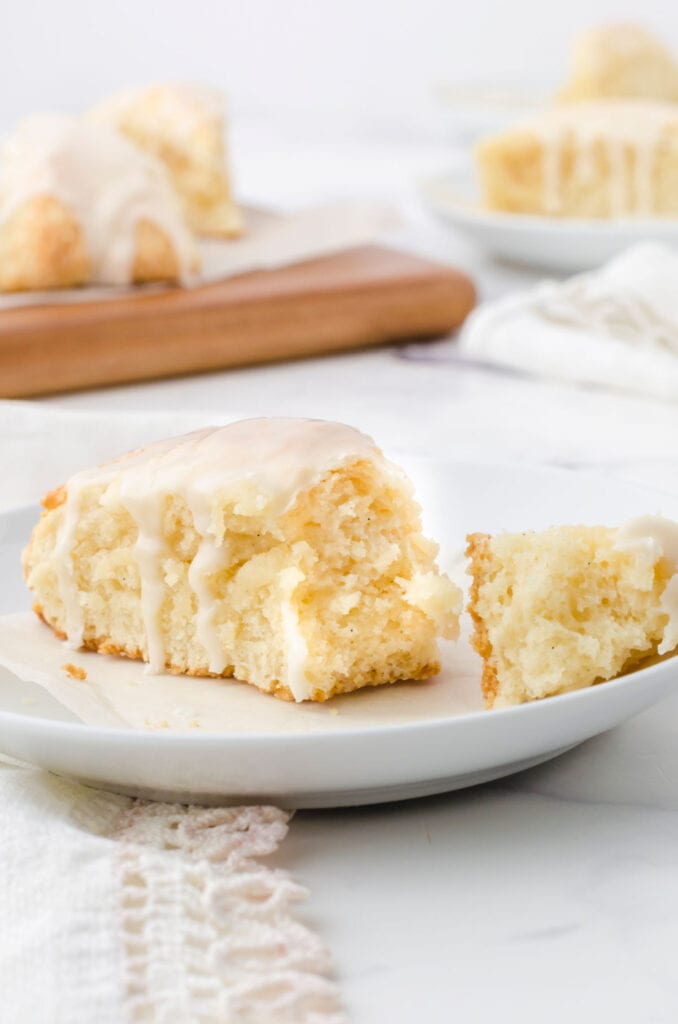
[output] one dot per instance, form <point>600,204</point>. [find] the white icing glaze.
<point>617,125</point>
<point>208,560</point>
<point>108,183</point>
<point>274,459</point>
<point>657,538</point>
<point>296,648</point>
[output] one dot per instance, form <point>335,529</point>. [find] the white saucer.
<point>553,244</point>
<point>403,741</point>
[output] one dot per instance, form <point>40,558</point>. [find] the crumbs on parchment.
<point>74,671</point>
<point>162,724</point>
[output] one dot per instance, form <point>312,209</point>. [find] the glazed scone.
<point>571,606</point>
<point>185,127</point>
<point>79,204</point>
<point>288,553</point>
<point>599,159</point>
<point>618,61</point>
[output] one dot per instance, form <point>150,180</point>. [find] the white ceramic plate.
<point>554,244</point>
<point>383,744</point>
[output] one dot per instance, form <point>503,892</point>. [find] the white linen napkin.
<point>616,326</point>
<point>117,910</point>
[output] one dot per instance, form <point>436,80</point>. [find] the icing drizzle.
<point>277,458</point>
<point>107,182</point>
<point>657,538</point>
<point>617,125</point>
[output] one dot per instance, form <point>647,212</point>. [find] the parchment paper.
<point>120,693</point>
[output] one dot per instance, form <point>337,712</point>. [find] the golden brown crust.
<point>275,688</point>
<point>155,258</point>
<point>42,246</point>
<point>74,671</point>
<point>40,612</point>
<point>478,553</point>
<point>55,498</point>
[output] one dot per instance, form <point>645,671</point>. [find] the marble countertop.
<point>553,894</point>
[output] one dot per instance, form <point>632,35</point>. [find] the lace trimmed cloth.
<point>121,911</point>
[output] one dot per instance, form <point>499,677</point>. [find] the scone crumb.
<point>333,711</point>
<point>194,724</point>
<point>74,671</point>
<point>162,724</point>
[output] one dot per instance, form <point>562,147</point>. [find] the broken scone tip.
<point>571,606</point>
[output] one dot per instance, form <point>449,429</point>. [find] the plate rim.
<point>393,729</point>
<point>535,709</point>
<point>466,211</point>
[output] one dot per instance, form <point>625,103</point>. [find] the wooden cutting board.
<point>365,296</point>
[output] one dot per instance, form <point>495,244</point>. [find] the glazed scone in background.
<point>286,552</point>
<point>79,204</point>
<point>620,60</point>
<point>184,126</point>
<point>598,159</point>
<point>571,606</point>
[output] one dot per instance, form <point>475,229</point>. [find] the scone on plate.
<point>184,126</point>
<point>571,606</point>
<point>607,158</point>
<point>288,553</point>
<point>620,60</point>
<point>79,204</point>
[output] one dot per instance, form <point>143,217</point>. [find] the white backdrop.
<point>352,60</point>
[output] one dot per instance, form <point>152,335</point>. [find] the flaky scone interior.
<point>288,553</point>
<point>570,606</point>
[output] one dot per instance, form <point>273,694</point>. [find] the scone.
<point>286,552</point>
<point>571,606</point>
<point>184,126</point>
<point>599,159</point>
<point>79,204</point>
<point>620,60</point>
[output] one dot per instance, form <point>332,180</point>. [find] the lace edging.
<point>207,930</point>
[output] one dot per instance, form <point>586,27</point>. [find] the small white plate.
<point>554,244</point>
<point>383,744</point>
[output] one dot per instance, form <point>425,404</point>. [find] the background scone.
<point>286,552</point>
<point>79,204</point>
<point>184,126</point>
<point>597,159</point>
<point>620,60</point>
<point>571,606</point>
